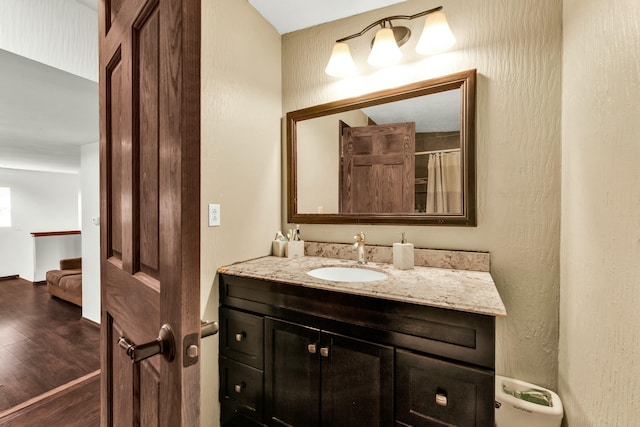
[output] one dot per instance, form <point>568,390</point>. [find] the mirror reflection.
<point>398,157</point>
<point>405,155</point>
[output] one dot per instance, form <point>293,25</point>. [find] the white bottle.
<point>403,255</point>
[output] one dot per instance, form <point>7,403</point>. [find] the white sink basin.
<point>346,274</point>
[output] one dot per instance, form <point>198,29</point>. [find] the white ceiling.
<point>46,114</point>
<point>292,15</point>
<point>92,4</point>
<point>437,112</point>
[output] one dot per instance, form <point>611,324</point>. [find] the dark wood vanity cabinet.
<point>315,378</point>
<point>296,356</point>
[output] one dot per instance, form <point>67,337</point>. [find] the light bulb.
<point>341,63</point>
<point>436,36</point>
<point>385,50</point>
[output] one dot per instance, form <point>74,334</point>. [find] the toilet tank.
<point>521,404</point>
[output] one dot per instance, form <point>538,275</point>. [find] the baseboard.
<point>40,282</point>
<point>90,322</point>
<point>13,277</point>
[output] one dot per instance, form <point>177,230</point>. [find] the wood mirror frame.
<point>465,81</point>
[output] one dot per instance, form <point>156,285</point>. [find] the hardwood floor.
<point>68,407</point>
<point>44,343</point>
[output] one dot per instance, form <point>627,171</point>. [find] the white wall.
<point>319,161</point>
<point>90,187</point>
<point>41,201</point>
<point>49,250</point>
<point>240,128</point>
<point>61,33</point>
<point>599,372</point>
<point>516,48</point>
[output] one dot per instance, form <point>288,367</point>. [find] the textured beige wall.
<point>241,108</point>
<point>599,369</point>
<point>516,48</point>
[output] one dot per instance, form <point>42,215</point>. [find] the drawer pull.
<point>441,399</point>
<point>238,387</point>
<point>324,351</point>
<point>312,348</point>
<point>240,336</point>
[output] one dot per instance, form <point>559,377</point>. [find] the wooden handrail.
<point>55,233</point>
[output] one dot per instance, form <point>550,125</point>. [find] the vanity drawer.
<point>432,392</point>
<point>242,337</point>
<point>241,388</point>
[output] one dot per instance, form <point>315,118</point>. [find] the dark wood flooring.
<point>44,343</point>
<point>69,407</point>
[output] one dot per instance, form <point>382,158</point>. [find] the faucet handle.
<point>359,237</point>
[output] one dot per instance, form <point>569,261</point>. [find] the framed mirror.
<point>399,156</point>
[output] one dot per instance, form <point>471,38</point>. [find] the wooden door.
<point>378,168</point>
<point>149,196</point>
<point>292,374</point>
<point>357,382</point>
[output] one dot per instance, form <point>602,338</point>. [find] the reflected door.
<point>378,168</point>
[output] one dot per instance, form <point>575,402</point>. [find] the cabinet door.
<point>432,392</point>
<point>292,374</point>
<point>357,382</point>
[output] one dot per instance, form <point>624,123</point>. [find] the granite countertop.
<point>463,290</point>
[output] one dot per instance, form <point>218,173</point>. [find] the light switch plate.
<point>214,215</point>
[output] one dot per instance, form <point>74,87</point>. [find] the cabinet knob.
<point>238,387</point>
<point>240,336</point>
<point>324,351</point>
<point>441,399</point>
<point>312,348</point>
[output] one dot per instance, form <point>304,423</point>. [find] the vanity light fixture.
<point>436,37</point>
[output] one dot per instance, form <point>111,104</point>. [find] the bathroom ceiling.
<point>292,15</point>
<point>92,4</point>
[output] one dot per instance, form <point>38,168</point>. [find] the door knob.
<point>165,345</point>
<point>441,399</point>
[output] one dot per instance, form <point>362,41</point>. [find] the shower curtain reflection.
<point>444,192</point>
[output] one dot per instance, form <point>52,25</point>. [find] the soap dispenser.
<point>403,255</point>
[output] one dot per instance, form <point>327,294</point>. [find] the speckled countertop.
<point>463,290</point>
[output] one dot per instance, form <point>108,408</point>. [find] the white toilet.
<point>521,404</point>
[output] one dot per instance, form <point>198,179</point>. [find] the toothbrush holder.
<point>294,249</point>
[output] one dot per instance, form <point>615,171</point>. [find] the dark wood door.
<point>149,196</point>
<point>292,374</point>
<point>378,167</point>
<point>315,378</point>
<point>357,382</point>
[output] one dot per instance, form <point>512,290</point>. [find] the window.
<point>5,207</point>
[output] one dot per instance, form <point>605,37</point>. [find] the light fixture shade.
<point>436,36</point>
<point>341,63</point>
<point>385,50</point>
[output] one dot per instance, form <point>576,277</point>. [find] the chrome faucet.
<point>359,245</point>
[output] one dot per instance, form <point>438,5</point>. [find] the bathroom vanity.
<point>413,349</point>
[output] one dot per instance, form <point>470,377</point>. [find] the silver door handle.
<point>208,328</point>
<point>165,345</point>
